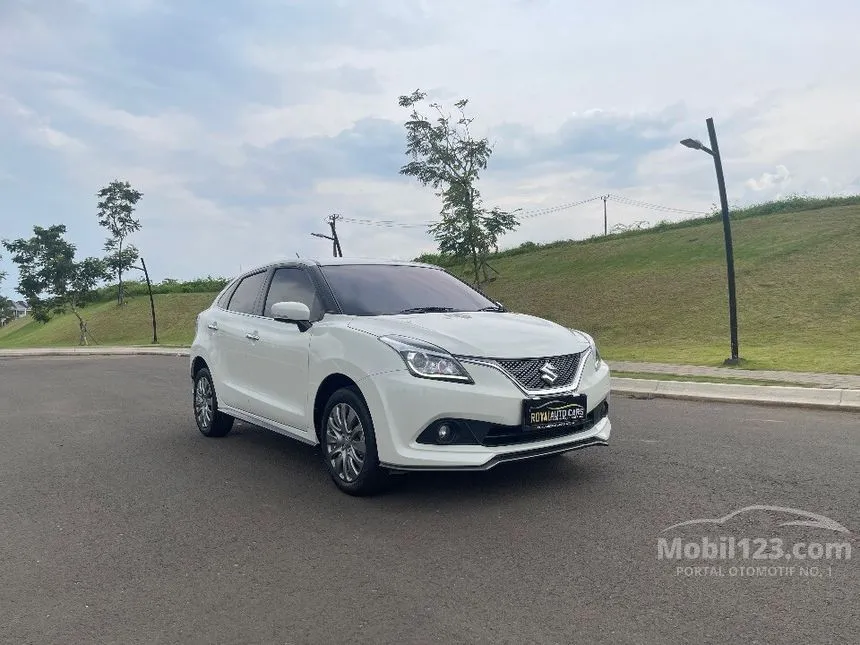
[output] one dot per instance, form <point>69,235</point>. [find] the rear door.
<point>234,329</point>
<point>209,323</point>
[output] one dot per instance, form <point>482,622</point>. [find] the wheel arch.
<point>329,385</point>
<point>198,364</point>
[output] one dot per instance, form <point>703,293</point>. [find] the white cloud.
<point>329,114</point>
<point>768,180</point>
<point>229,129</point>
<point>169,130</point>
<point>37,129</point>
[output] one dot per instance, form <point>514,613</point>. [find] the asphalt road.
<point>121,523</point>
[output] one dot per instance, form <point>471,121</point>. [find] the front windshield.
<point>385,289</point>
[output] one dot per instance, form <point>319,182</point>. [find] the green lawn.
<point>661,296</point>
<point>112,325</point>
<point>656,296</point>
<point>13,326</point>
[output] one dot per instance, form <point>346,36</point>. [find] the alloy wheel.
<point>203,402</point>
<point>345,442</point>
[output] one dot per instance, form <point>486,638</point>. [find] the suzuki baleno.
<point>393,366</point>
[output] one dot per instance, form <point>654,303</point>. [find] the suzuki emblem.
<point>548,373</point>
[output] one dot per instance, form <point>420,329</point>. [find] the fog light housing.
<point>447,432</point>
<point>444,433</point>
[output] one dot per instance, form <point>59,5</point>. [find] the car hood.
<point>485,334</point>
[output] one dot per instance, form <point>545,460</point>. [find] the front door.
<point>280,352</point>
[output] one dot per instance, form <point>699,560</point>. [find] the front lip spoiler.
<point>519,455</point>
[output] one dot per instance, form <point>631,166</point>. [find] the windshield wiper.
<point>427,310</point>
<point>498,308</point>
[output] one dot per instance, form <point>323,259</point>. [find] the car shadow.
<point>535,476</point>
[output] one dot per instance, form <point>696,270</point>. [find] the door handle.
<point>252,336</point>
<point>213,325</point>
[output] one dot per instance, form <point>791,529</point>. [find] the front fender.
<point>353,353</point>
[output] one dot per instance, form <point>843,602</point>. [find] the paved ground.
<point>821,380</point>
<point>838,381</point>
<point>120,523</point>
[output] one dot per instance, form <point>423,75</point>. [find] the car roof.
<point>357,260</point>
<point>322,262</point>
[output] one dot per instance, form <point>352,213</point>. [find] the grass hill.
<point>661,295</point>
<point>110,325</point>
<point>655,295</point>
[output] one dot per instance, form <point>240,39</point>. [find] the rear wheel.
<point>348,444</point>
<point>210,421</point>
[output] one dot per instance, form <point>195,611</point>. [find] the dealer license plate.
<point>554,412</point>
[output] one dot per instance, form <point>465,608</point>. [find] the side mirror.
<point>292,312</point>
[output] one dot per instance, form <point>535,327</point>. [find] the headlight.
<point>595,352</point>
<point>427,361</point>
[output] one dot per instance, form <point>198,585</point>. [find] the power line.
<point>523,215</point>
<point>635,202</point>
<point>529,214</point>
<point>556,209</point>
<point>384,223</point>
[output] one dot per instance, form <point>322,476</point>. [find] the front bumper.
<point>403,407</point>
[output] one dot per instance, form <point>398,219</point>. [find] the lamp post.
<point>714,151</point>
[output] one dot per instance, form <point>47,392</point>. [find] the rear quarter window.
<point>224,296</point>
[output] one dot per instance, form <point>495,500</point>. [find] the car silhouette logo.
<point>802,518</point>
<point>548,373</point>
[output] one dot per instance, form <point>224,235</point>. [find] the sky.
<point>245,125</point>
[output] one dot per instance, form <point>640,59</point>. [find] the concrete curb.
<point>806,397</point>
<point>93,351</point>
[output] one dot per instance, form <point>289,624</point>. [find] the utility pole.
<point>605,221</point>
<point>335,241</point>
<point>332,222</point>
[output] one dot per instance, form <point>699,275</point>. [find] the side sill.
<point>268,424</point>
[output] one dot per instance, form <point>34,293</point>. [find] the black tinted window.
<point>225,296</point>
<point>377,289</point>
<point>292,285</point>
<point>245,296</point>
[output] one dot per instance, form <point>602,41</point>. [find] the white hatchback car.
<point>393,366</point>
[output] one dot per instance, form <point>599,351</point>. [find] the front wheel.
<point>349,444</point>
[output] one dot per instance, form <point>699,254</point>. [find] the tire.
<point>345,422</point>
<point>210,421</point>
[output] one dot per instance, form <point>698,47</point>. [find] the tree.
<point>117,202</point>
<point>447,157</point>
<point>49,277</point>
<point>6,305</point>
<point>7,309</point>
<point>119,260</point>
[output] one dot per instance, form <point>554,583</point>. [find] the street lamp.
<point>714,151</point>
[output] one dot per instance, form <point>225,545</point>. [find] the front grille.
<point>527,371</point>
